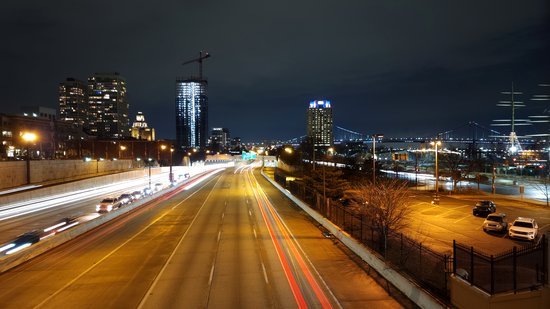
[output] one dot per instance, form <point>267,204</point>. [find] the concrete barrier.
<point>407,287</point>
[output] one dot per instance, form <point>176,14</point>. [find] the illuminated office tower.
<point>319,123</point>
<point>108,106</point>
<point>191,113</point>
<point>73,102</point>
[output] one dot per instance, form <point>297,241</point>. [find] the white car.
<point>523,228</point>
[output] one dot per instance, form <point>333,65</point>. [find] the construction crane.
<point>202,56</point>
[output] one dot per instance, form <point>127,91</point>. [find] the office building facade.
<point>73,102</point>
<point>108,106</point>
<point>191,113</point>
<point>319,123</point>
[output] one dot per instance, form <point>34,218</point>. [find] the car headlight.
<point>110,207</point>
<point>97,207</point>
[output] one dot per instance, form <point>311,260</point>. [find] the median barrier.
<point>406,286</point>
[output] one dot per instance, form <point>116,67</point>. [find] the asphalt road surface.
<point>231,242</point>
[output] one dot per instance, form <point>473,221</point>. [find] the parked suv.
<point>484,208</point>
<point>496,223</point>
<point>524,228</point>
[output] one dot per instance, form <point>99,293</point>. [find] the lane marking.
<point>255,235</point>
<point>211,274</point>
<point>265,273</point>
<point>219,235</point>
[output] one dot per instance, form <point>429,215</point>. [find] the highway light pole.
<point>28,137</point>
<point>374,136</point>
<point>436,198</point>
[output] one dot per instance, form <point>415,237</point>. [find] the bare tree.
<point>386,204</point>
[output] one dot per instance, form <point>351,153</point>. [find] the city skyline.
<point>379,63</point>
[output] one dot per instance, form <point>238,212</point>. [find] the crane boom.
<point>202,56</point>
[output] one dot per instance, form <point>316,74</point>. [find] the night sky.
<point>402,68</point>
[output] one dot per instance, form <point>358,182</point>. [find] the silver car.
<point>495,223</point>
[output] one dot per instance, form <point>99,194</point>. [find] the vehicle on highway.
<point>61,225</point>
<point>125,198</point>
<point>495,223</point>
<point>147,191</point>
<point>484,208</point>
<point>107,204</point>
<point>137,195</point>
<point>524,228</point>
<point>158,186</point>
<point>21,242</point>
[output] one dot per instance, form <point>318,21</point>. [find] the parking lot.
<point>438,225</point>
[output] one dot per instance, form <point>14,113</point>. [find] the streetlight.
<point>436,198</point>
<point>330,150</point>
<point>374,137</point>
<point>149,162</point>
<point>121,149</point>
<point>28,137</point>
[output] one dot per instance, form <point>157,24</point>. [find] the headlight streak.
<point>6,247</point>
<point>23,246</point>
<point>54,226</point>
<point>267,209</point>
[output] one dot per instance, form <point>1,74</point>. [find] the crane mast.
<point>202,55</point>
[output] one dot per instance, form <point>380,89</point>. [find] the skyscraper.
<point>73,102</point>
<point>319,123</point>
<point>108,105</point>
<point>191,113</point>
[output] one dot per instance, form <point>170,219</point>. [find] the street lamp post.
<point>374,137</point>
<point>171,175</point>
<point>436,198</point>
<point>28,137</point>
<point>149,164</point>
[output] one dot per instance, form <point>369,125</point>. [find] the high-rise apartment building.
<point>219,139</point>
<point>191,113</point>
<point>140,130</point>
<point>319,123</point>
<point>108,106</point>
<point>73,102</point>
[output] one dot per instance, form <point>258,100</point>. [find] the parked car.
<point>524,228</point>
<point>125,198</point>
<point>484,208</point>
<point>495,222</point>
<point>107,204</point>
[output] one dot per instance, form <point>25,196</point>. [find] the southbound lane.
<point>220,245</point>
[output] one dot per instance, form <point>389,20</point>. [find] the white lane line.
<point>265,273</point>
<point>211,274</point>
<point>223,215</point>
<point>169,260</point>
<point>219,235</point>
<point>255,235</point>
<point>250,213</point>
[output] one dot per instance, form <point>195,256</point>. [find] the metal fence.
<point>514,270</point>
<point>425,266</point>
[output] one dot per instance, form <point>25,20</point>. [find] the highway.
<point>231,242</point>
